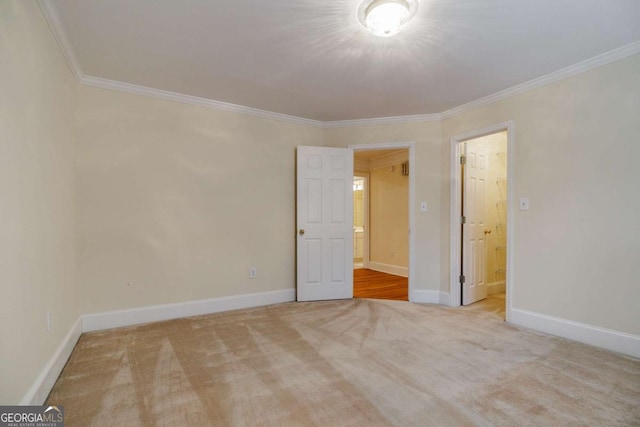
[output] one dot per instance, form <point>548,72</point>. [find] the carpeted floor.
<point>344,363</point>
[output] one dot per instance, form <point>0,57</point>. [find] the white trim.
<point>570,71</point>
<point>194,100</point>
<point>424,296</point>
<point>139,315</point>
<point>389,268</point>
<point>454,209</point>
<point>609,339</point>
<point>41,387</point>
<point>53,19</point>
<point>411,146</point>
<point>383,121</point>
<point>561,74</point>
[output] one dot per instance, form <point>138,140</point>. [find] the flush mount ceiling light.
<point>385,18</point>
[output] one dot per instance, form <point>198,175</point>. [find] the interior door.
<point>325,223</point>
<point>474,287</point>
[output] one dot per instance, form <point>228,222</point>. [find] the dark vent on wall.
<point>405,169</point>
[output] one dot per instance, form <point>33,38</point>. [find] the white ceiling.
<point>313,59</point>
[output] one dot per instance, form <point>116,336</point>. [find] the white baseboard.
<point>39,390</point>
<point>609,339</point>
<point>389,269</point>
<point>430,297</point>
<point>496,287</point>
<point>139,315</point>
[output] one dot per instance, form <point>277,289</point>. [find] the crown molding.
<point>194,100</point>
<point>53,19</point>
<point>382,121</point>
<point>572,70</point>
<point>563,73</point>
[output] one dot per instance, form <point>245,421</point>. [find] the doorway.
<point>381,223</point>
<point>480,231</point>
<point>324,220</point>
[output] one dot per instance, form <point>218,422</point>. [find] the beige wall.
<point>427,137</point>
<point>389,215</point>
<point>576,151</point>
<point>37,255</point>
<point>177,202</point>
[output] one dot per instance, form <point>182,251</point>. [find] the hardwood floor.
<point>493,305</point>
<point>377,285</point>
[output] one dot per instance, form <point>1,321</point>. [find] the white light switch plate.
<point>423,206</point>
<point>524,203</point>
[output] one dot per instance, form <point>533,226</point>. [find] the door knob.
<point>301,232</point>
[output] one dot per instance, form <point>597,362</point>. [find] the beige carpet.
<point>344,363</point>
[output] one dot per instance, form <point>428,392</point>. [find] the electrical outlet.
<point>49,321</point>
<point>253,273</point>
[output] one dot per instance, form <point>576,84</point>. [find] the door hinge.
<point>462,279</point>
<point>463,220</point>
<point>463,160</point>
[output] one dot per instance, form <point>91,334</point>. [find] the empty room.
<point>353,212</point>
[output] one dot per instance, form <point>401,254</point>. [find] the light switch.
<point>524,203</point>
<point>423,206</point>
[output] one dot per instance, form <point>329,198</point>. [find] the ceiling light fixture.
<point>385,18</point>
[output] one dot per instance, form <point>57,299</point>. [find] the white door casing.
<point>474,244</point>
<point>414,296</point>
<point>455,232</point>
<point>324,223</point>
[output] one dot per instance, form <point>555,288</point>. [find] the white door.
<point>325,223</point>
<point>473,237</point>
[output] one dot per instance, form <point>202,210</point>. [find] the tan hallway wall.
<point>37,191</point>
<point>389,216</point>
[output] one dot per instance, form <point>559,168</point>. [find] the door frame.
<point>410,145</point>
<point>456,206</point>
<point>365,213</point>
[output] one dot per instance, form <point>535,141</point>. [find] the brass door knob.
<point>301,232</point>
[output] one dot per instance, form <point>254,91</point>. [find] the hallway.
<point>375,284</point>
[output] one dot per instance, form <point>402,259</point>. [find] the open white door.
<point>474,286</point>
<point>325,223</point>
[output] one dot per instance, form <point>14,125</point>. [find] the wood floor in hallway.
<point>492,306</point>
<point>375,284</point>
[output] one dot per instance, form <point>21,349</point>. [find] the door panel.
<point>325,223</point>
<point>474,245</point>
